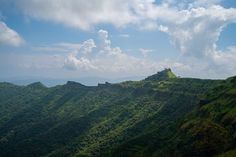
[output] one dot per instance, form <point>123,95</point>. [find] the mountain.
<point>162,115</point>
<point>50,82</point>
<point>162,75</point>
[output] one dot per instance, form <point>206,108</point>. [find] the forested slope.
<point>163,115</point>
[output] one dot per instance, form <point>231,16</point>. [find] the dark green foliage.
<point>160,116</point>
<point>230,153</point>
<point>203,138</point>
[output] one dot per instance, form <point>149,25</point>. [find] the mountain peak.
<point>162,75</point>
<point>36,85</point>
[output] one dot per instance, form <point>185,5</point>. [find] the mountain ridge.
<point>165,74</point>
<point>146,118</point>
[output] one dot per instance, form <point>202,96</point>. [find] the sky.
<point>70,39</point>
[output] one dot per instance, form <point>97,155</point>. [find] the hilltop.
<point>162,75</point>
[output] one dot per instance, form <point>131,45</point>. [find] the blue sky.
<point>116,39</point>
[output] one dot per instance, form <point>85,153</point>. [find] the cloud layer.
<point>82,14</point>
<point>9,36</point>
<point>194,27</point>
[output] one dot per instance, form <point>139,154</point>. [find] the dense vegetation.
<point>163,115</point>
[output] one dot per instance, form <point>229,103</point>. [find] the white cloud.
<point>88,46</point>
<point>9,36</point>
<point>85,47</point>
<point>82,14</point>
<point>186,4</point>
<point>145,51</point>
<point>196,37</point>
<point>205,3</point>
<point>105,42</point>
<point>85,14</point>
<point>198,34</point>
<point>73,63</point>
<point>224,62</point>
<point>68,46</point>
<point>113,61</point>
<point>164,29</point>
<point>109,61</point>
<point>194,28</point>
<point>124,35</point>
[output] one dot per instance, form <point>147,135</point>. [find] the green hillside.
<point>162,115</point>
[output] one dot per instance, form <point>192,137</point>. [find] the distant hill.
<point>50,82</point>
<point>160,116</point>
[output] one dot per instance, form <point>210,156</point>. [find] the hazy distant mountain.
<point>160,116</point>
<point>50,82</point>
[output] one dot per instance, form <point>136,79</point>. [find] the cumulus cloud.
<point>88,46</point>
<point>111,60</point>
<point>194,28</point>
<point>9,36</point>
<point>105,42</point>
<point>73,63</point>
<point>196,37</point>
<point>198,33</point>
